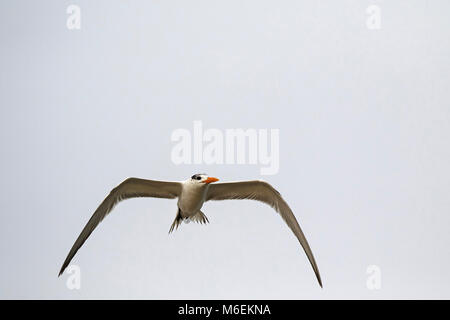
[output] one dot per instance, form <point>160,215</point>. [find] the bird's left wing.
<point>264,192</point>
<point>130,188</point>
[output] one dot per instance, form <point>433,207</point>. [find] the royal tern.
<point>191,195</point>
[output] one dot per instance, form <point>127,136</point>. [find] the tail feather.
<point>199,217</point>
<point>176,222</point>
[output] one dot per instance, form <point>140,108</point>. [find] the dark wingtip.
<point>320,281</point>
<point>62,270</point>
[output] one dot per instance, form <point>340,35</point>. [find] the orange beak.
<point>210,179</point>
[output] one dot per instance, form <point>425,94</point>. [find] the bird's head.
<point>202,179</point>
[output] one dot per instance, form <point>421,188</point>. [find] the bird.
<point>192,194</point>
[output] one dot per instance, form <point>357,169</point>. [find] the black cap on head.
<point>198,176</point>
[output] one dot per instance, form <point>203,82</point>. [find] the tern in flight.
<point>191,195</point>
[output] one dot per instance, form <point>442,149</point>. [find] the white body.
<point>192,197</point>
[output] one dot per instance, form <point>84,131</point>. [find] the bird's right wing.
<point>264,192</point>
<point>130,188</point>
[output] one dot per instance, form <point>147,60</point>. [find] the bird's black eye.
<point>198,178</point>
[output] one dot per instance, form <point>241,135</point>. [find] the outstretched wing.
<point>264,192</point>
<point>130,188</point>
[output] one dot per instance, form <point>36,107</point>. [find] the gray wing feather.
<point>130,188</point>
<point>264,192</point>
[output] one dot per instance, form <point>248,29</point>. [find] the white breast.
<point>191,198</point>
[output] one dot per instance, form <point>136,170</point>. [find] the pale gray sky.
<point>364,146</point>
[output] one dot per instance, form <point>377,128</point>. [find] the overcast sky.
<point>363,117</point>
